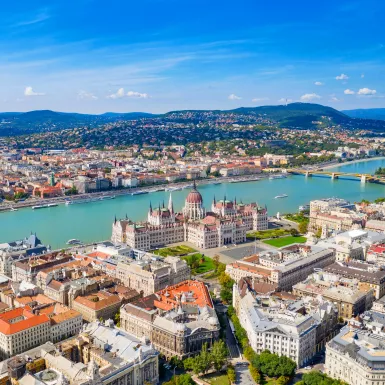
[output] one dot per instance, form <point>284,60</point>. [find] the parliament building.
<point>226,223</point>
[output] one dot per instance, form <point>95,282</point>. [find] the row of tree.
<point>317,378</point>
<point>266,363</point>
<point>207,359</point>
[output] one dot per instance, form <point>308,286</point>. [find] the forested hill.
<point>294,115</point>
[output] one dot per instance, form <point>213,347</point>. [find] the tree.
<point>204,359</point>
<point>218,354</point>
<point>294,232</point>
<point>231,374</point>
<point>216,261</point>
<point>282,380</point>
<point>183,379</point>
<point>302,227</point>
<point>117,318</point>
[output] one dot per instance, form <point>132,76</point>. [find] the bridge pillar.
<point>334,176</point>
<point>363,178</point>
<point>307,174</point>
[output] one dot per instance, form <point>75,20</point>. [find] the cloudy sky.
<point>94,56</point>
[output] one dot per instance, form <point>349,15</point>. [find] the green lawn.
<point>266,234</point>
<point>217,379</point>
<point>175,251</point>
<point>204,266</point>
<point>284,241</point>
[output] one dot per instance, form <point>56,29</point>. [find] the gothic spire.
<point>194,185</point>
<point>235,201</point>
<point>150,207</point>
<point>170,204</point>
<point>115,220</point>
<point>215,201</point>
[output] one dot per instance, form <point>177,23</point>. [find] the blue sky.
<point>94,56</point>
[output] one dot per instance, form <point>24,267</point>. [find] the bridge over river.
<point>365,178</point>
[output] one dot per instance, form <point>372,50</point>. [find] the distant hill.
<point>366,113</point>
<point>19,123</point>
<point>294,115</point>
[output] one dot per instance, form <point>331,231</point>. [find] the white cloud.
<point>342,77</point>
<point>362,75</point>
<point>117,95</point>
<point>334,98</point>
<point>283,100</point>
<point>319,83</point>
<point>130,94</point>
<point>309,97</point>
<point>259,99</point>
<point>86,95</point>
<point>349,92</point>
<point>234,97</point>
<point>30,92</point>
<point>133,94</point>
<point>366,91</point>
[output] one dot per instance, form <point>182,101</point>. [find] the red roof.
<point>29,320</point>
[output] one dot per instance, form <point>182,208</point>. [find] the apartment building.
<point>148,276</point>
<point>356,357</point>
<point>21,329</point>
<point>284,328</point>
<point>368,276</point>
<point>344,294</point>
<point>285,267</point>
<point>96,306</point>
<point>178,319</point>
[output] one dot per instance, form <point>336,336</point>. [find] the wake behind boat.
<point>281,196</point>
<point>37,207</point>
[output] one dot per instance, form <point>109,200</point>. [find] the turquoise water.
<point>92,221</point>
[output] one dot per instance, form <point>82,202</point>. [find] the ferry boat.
<point>75,202</point>
<point>37,207</point>
<point>217,183</point>
<point>140,192</point>
<point>44,206</point>
<point>281,176</point>
<point>281,196</point>
<point>173,189</point>
<point>74,242</point>
<point>13,209</point>
<point>107,197</point>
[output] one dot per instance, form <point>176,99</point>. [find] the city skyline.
<point>159,56</point>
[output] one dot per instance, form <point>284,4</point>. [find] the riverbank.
<point>6,206</point>
<point>337,164</point>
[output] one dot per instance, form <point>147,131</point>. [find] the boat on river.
<point>281,196</point>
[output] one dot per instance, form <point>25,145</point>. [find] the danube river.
<point>92,221</point>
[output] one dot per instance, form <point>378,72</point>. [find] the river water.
<point>92,221</point>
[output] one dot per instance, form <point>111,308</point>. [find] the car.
<point>307,368</point>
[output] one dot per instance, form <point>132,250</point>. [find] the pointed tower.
<point>150,207</point>
<point>93,373</point>
<point>170,204</point>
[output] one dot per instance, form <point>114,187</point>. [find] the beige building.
<point>285,267</point>
<point>100,355</point>
<point>178,320</point>
<point>21,330</point>
<point>346,296</point>
<point>96,306</point>
<point>356,357</point>
<point>148,276</point>
<point>285,327</point>
<point>368,276</point>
